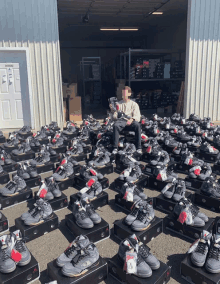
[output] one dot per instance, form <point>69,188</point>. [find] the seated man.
<point>131,123</point>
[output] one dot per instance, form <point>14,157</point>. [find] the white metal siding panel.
<point>34,24</point>
<point>202,93</point>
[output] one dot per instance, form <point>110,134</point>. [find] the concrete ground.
<point>169,248</point>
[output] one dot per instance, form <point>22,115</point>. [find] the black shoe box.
<point>159,276</point>
<point>107,169</point>
<point>121,167</point>
<point>87,149</point>
<point>25,136</point>
<point>30,233</point>
<point>182,168</point>
<point>205,201</point>
<point>9,149</point>
<point>45,168</point>
<point>3,224</point>
<point>149,169</point>
<point>208,157</point>
<point>98,233</point>
<point>6,201</point>
<point>80,182</point>
<point>56,158</point>
<point>197,275</point>
<point>44,141</point>
<point>96,274</point>
<point>76,169</point>
<point>167,205</point>
<point>10,168</point>
<point>122,231</point>
<point>80,157</point>
<point>36,149</point>
<point>71,136</point>
<point>127,205</point>
<point>22,274</point>
<point>24,157</point>
<point>61,149</point>
<point>57,203</point>
<point>193,184</point>
<point>100,201</point>
<point>216,169</point>
<point>193,149</point>
<point>190,232</point>
<point>2,139</point>
<point>69,182</point>
<point>4,177</point>
<point>33,182</point>
<point>175,158</point>
<point>156,184</point>
<point>142,182</point>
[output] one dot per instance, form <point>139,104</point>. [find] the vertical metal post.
<point>129,66</point>
<point>120,68</point>
<point>124,66</point>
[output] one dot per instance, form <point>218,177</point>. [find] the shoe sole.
<point>16,193</point>
<point>82,272</point>
<point>38,166</point>
<point>139,230</point>
<point>24,263</point>
<point>41,221</point>
<point>8,271</point>
<point>82,227</point>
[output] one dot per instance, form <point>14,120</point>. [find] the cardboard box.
<point>75,110</point>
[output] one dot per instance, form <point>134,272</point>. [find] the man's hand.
<point>129,122</point>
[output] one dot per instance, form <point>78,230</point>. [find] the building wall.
<point>202,94</point>
<point>34,24</point>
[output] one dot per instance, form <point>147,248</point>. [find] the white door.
<point>11,113</point>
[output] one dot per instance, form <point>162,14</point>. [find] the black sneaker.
<point>213,261</point>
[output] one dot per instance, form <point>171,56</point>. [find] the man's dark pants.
<point>122,125</point>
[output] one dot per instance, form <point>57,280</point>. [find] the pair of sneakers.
<point>80,256</point>
<point>85,215</point>
<point>92,190</point>
<point>27,170</point>
<point>205,252</point>
<point>130,192</point>
<point>87,172</point>
<point>141,216</point>
<point>139,151</point>
<point>13,252</point>
<point>175,190</point>
<point>39,213</point>
<point>5,158</point>
<point>13,187</point>
<point>131,174</point>
<point>145,262</point>
<point>63,172</point>
<point>49,189</point>
<point>22,149</point>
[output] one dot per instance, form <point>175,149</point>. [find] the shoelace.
<point>69,250</point>
<point>144,250</point>
<point>79,257</point>
<point>178,189</point>
<point>36,212</point>
<point>193,210</point>
<point>10,185</point>
<point>214,253</point>
<point>19,245</point>
<point>90,209</point>
<point>5,254</point>
<point>141,215</point>
<point>201,248</point>
<point>83,214</point>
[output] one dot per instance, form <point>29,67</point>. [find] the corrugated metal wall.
<point>34,24</point>
<point>202,93</point>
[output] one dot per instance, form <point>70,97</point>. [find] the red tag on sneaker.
<point>64,161</point>
<point>158,131</point>
<point>117,106</point>
<point>72,124</point>
<point>190,162</point>
<point>86,122</point>
<point>90,182</point>
<point>125,196</point>
<point>15,255</point>
<point>159,177</point>
<point>2,158</point>
<point>58,136</point>
<point>175,130</point>
<point>197,172</point>
<point>43,193</point>
<point>142,121</point>
<point>182,217</point>
<point>94,173</point>
<point>106,122</point>
<point>149,149</point>
<point>34,134</point>
<point>54,140</point>
<point>57,169</point>
<point>99,136</point>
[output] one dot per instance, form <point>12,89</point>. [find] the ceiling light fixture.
<point>157,13</point>
<point>128,29</point>
<point>108,29</point>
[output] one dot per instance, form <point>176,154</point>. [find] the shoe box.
<point>215,169</point>
<point>57,203</point>
<point>193,184</point>
<point>175,158</point>
<point>81,183</point>
<point>80,157</point>
<point>10,168</point>
<point>2,139</point>
<point>207,202</point>
<point>4,225</point>
<point>99,201</point>
<point>4,177</point>
<point>208,157</point>
<point>68,182</point>
<point>30,233</point>
<point>107,169</point>
<point>120,167</point>
<point>36,149</point>
<point>44,141</point>
<point>9,149</point>
<point>182,168</point>
<point>76,168</point>
<point>197,275</point>
<point>190,232</point>
<point>73,135</point>
<point>156,184</point>
<point>45,168</point>
<point>61,149</point>
<point>142,182</point>
<point>96,234</point>
<point>127,205</point>
<point>159,276</point>
<point>25,136</point>
<point>96,274</point>
<point>149,169</point>
<point>167,205</point>
<point>22,274</point>
<point>55,159</point>
<point>8,201</point>
<point>23,157</point>
<point>122,231</point>
<point>193,149</point>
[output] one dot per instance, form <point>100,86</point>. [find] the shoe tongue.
<point>217,240</point>
<point>4,241</point>
<point>205,236</point>
<point>17,234</point>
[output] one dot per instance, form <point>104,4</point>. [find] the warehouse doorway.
<point>15,94</point>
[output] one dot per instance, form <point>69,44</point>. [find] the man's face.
<point>125,95</point>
